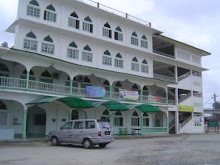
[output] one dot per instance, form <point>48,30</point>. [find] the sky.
<point>195,22</point>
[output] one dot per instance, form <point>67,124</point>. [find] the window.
<point>90,124</point>
<point>31,75</point>
<point>50,14</point>
<point>118,34</point>
<point>134,39</point>
<point>47,46</point>
<point>33,9</point>
<point>106,58</point>
<point>135,119</point>
<point>145,119</point>
<point>135,65</point>
<point>68,125</point>
<point>118,119</point>
<point>87,25</point>
<point>73,21</point>
<point>144,42</point>
<point>3,114</point>
<point>78,125</point>
<point>118,61</point>
<point>30,42</point>
<point>106,31</point>
<point>4,71</point>
<point>46,77</point>
<point>72,51</point>
<point>87,54</point>
<point>105,114</point>
<point>144,66</point>
<point>75,115</point>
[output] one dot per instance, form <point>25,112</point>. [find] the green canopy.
<point>145,108</point>
<point>72,102</point>
<point>112,105</point>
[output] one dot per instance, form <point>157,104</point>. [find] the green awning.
<point>145,108</point>
<point>72,102</point>
<point>112,105</point>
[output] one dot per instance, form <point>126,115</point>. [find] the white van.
<point>88,132</point>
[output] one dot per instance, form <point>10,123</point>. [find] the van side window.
<point>90,124</point>
<point>78,125</point>
<point>68,125</point>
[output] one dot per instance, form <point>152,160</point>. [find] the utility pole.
<point>214,97</point>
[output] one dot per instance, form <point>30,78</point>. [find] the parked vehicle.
<point>88,132</point>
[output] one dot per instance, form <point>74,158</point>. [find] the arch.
<point>74,15</point>
<point>87,48</point>
<point>135,87</point>
<point>88,19</point>
<point>31,35</point>
<point>86,79</point>
<point>118,55</point>
<point>134,59</point>
<point>3,68</point>
<point>34,2</point>
<point>46,74</point>
<point>118,113</point>
<point>48,39</point>
<point>50,7</point>
<point>145,114</point>
<point>118,84</point>
<point>107,25</point>
<point>144,62</point>
<point>3,106</point>
<point>134,34</point>
<point>105,113</point>
<point>106,83</point>
<point>145,88</point>
<point>118,29</point>
<point>144,37</point>
<point>72,44</point>
<point>107,53</point>
<point>135,114</point>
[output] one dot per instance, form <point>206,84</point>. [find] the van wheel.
<point>54,141</point>
<point>102,145</point>
<point>87,143</point>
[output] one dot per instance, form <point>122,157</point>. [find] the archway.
<point>36,122</point>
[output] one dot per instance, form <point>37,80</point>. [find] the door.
<point>65,133</point>
<point>77,132</point>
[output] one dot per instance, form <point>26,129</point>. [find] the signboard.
<point>183,108</point>
<point>95,91</point>
<point>213,123</point>
<point>197,119</point>
<point>128,94</point>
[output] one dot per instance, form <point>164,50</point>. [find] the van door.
<point>65,133</point>
<point>77,132</point>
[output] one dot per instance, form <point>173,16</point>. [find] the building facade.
<point>74,60</point>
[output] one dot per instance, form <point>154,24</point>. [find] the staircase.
<point>186,121</point>
<point>184,76</point>
<point>183,98</point>
<point>172,127</point>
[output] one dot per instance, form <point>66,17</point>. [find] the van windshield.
<point>104,124</point>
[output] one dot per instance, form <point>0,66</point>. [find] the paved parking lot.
<point>179,150</point>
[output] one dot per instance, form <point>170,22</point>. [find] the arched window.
<point>86,82</point>
<point>75,115</point>
<point>87,54</point>
<point>135,119</point>
<point>118,61</point>
<point>118,34</point>
<point>105,114</point>
<point>134,39</point>
<point>135,87</point>
<point>3,114</point>
<point>72,51</point>
<point>106,58</point>
<point>144,67</point>
<point>135,65</point>
<point>31,75</point>
<point>30,42</point>
<point>47,46</point>
<point>117,86</point>
<point>145,91</point>
<point>4,71</point>
<point>106,85</point>
<point>146,120</point>
<point>33,9</point>
<point>46,77</point>
<point>50,14</point>
<point>106,31</point>
<point>118,119</point>
<point>73,21</point>
<point>87,24</point>
<point>144,43</point>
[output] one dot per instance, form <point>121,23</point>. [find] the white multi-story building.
<point>75,60</point>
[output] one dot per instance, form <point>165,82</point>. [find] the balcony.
<point>163,54</point>
<point>164,78</point>
<point>49,88</point>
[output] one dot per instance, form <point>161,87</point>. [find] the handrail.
<point>184,97</point>
<point>163,54</point>
<point>186,121</point>
<point>172,123</point>
<point>184,76</point>
<point>164,78</point>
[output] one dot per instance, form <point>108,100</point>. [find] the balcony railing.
<point>50,88</point>
<point>163,54</point>
<point>164,78</point>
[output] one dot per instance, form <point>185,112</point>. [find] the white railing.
<point>181,99</point>
<point>186,121</point>
<point>184,76</point>
<point>154,130</point>
<point>164,78</point>
<point>163,54</point>
<point>12,82</point>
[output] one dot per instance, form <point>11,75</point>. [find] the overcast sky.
<point>196,22</point>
